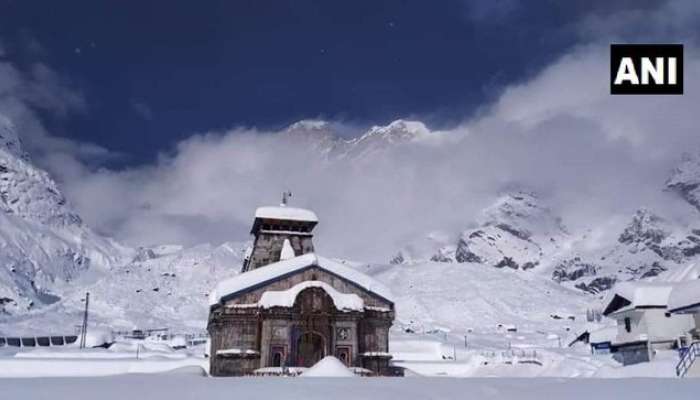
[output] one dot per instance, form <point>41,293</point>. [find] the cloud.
<point>24,95</point>
<point>142,109</point>
<point>591,156</point>
<point>642,22</point>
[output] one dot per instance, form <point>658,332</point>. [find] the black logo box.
<point>638,51</point>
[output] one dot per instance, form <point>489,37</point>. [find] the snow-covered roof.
<point>261,276</point>
<point>603,335</point>
<point>685,297</point>
<point>638,294</point>
<point>286,213</point>
<point>286,298</point>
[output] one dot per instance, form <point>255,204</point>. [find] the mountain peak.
<point>309,125</point>
<point>9,139</point>
<point>522,211</point>
<point>685,179</point>
<point>398,131</point>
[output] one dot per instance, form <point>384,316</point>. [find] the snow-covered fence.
<point>513,357</point>
<point>521,357</point>
<point>165,335</point>
<point>37,341</point>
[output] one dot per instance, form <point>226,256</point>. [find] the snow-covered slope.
<point>648,246</point>
<point>521,233</point>
<point>44,244</point>
<point>468,298</point>
<point>162,286</point>
<point>516,231</point>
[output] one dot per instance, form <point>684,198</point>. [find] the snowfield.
<point>186,386</point>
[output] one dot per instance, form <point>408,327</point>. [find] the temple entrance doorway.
<point>311,349</point>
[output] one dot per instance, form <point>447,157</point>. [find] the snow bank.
<point>178,342</point>
<point>25,368</point>
<point>329,366</point>
<point>416,350</point>
<point>118,350</point>
<point>286,298</point>
<point>687,273</point>
<point>96,337</point>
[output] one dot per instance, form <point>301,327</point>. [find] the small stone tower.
<point>280,233</point>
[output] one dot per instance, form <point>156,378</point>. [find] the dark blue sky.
<point>154,72</point>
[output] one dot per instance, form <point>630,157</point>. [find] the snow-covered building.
<point>291,308</point>
<point>685,299</point>
<point>644,323</point>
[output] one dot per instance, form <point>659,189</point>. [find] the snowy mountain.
<point>380,138</point>
<point>685,180</point>
<point>325,140</point>
<point>162,286</point>
<point>49,258</point>
<point>516,232</point>
<point>520,233</point>
<point>319,135</point>
<point>648,246</point>
<point>44,244</point>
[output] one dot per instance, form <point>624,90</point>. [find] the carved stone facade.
<point>246,336</point>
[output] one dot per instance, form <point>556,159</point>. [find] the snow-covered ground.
<point>185,386</point>
<point>122,357</point>
<point>453,320</point>
<point>435,354</point>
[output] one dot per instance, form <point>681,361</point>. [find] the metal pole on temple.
<point>285,197</point>
<point>83,330</point>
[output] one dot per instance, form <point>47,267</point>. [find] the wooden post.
<point>83,328</point>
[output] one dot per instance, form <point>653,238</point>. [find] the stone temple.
<point>290,307</point>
